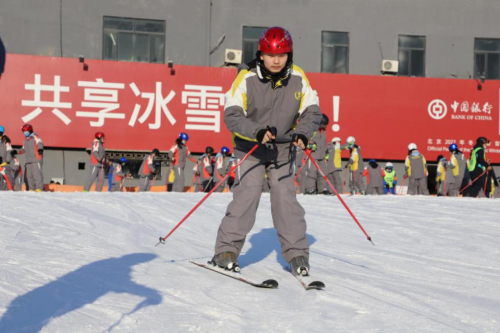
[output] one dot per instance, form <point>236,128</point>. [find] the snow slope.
<point>86,262</point>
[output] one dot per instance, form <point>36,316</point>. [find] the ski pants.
<point>34,176</point>
<point>418,186</point>
<point>144,184</point>
<point>457,185</point>
<point>117,186</point>
<point>478,185</point>
<point>178,185</point>
<point>287,214</point>
<point>97,176</point>
<point>336,180</point>
<point>18,182</point>
<point>374,190</point>
<point>314,180</point>
<point>356,182</point>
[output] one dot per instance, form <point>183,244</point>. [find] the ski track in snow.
<point>86,262</point>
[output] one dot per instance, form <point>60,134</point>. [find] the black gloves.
<point>261,133</point>
<point>296,137</point>
<point>40,152</point>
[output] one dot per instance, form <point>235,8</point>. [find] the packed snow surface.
<point>87,262</point>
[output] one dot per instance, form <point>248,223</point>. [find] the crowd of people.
<point>455,175</point>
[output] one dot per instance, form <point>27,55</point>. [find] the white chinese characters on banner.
<point>55,104</point>
<point>103,96</point>
<point>156,99</point>
<point>203,104</point>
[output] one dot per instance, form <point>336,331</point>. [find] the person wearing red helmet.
<point>272,104</point>
<point>97,162</point>
<point>33,148</point>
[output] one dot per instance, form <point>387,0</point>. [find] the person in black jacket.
<point>478,167</point>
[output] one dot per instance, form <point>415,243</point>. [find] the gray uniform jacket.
<point>375,176</point>
<point>461,164</point>
<point>31,146</point>
<point>319,138</point>
<point>416,167</point>
<point>254,102</point>
<point>147,167</point>
<point>5,149</point>
<point>333,152</point>
<point>97,154</point>
<point>180,154</point>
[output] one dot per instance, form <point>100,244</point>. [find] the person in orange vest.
<point>33,148</point>
<point>117,174</point>
<point>178,154</point>
<point>5,176</point>
<point>148,170</point>
<point>205,168</point>
<point>97,162</point>
<point>17,171</point>
<point>220,167</point>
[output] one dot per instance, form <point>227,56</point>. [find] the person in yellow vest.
<point>444,177</point>
<point>390,179</point>
<point>356,167</point>
<point>334,163</point>
<point>478,167</point>
<point>458,165</point>
<point>416,170</point>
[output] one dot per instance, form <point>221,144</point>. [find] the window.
<point>487,58</point>
<point>251,37</point>
<point>133,40</point>
<point>81,165</point>
<point>334,52</point>
<point>411,56</point>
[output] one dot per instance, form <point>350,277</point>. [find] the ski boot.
<point>226,260</point>
<point>300,266</point>
<point>310,192</point>
<point>325,192</point>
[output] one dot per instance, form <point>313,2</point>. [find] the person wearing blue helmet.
<point>220,167</point>
<point>117,175</point>
<point>178,155</point>
<point>5,146</point>
<point>458,166</point>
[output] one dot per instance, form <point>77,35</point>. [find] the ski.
<point>308,283</point>
<point>269,284</point>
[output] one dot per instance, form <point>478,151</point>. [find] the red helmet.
<point>99,135</point>
<point>275,40</point>
<point>27,128</point>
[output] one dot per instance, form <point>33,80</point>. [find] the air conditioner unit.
<point>232,56</point>
<point>390,67</point>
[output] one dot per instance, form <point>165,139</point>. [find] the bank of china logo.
<point>298,95</point>
<point>437,109</point>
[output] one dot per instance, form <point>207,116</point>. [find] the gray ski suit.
<point>97,160</point>
<point>254,102</point>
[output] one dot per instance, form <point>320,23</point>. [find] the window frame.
<point>243,60</point>
<point>410,52</point>
<point>333,46</point>
<point>133,32</point>
<point>486,57</point>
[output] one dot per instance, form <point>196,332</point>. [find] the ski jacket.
<point>356,160</point>
<point>444,172</point>
<point>6,176</point>
<point>220,170</point>
<point>334,157</point>
<point>147,167</point>
<point>205,168</point>
<point>374,176</point>
<point>255,102</point>
<point>32,147</point>
<point>415,165</point>
<point>5,149</point>
<point>458,164</point>
<point>390,178</point>
<point>97,154</point>
<point>478,160</point>
<point>15,166</point>
<point>179,155</point>
<point>117,172</point>
<point>319,139</point>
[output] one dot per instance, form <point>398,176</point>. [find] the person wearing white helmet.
<point>416,170</point>
<point>356,167</point>
<point>390,179</point>
<point>334,163</point>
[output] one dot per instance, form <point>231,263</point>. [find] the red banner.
<point>144,106</point>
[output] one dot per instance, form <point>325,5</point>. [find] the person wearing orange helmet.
<point>272,104</point>
<point>97,162</point>
<point>33,148</point>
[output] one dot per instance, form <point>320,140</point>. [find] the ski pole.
<point>163,239</point>
<point>338,196</point>
<point>300,170</point>
<point>400,191</point>
<point>472,181</point>
<point>344,185</point>
<point>208,184</point>
<point>486,182</point>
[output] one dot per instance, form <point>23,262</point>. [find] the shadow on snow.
<point>32,311</point>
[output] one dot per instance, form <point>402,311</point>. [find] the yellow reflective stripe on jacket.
<point>456,167</point>
<point>337,161</point>
<point>243,137</point>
